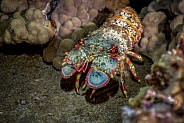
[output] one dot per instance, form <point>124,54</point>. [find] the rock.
<point>78,34</point>
<point>89,27</point>
<point>64,32</point>
<point>143,43</point>
<point>151,22</point>
<point>114,4</point>
<point>151,43</point>
<point>176,23</point>
<point>49,54</point>
<point>181,6</point>
<point>158,5</point>
<point>65,46</point>
<point>76,22</point>
<point>57,62</point>
<point>68,25</point>
<point>174,7</point>
<point>9,6</point>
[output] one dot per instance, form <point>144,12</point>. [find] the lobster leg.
<point>92,93</point>
<point>85,84</point>
<point>122,74</point>
<point>132,69</point>
<point>135,55</point>
<point>77,81</point>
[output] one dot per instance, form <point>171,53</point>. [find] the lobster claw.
<point>67,71</point>
<point>96,79</point>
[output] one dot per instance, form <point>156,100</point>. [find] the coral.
<point>156,5</point>
<point>31,27</point>
<point>153,43</point>
<point>137,100</point>
<point>176,39</point>
<point>49,53</point>
<point>68,16</point>
<point>38,4</point>
<point>165,100</point>
<point>151,22</point>
<point>177,7</point>
<point>64,46</point>
<point>143,12</point>
<point>57,62</point>
<point>167,74</point>
<point>153,46</point>
<point>177,23</point>
<point>78,34</point>
<point>161,24</point>
<point>9,6</point>
<point>74,20</point>
<point>71,14</point>
<point>89,27</point>
<point>114,4</point>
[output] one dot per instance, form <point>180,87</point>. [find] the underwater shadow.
<point>100,96</point>
<point>22,48</point>
<point>103,94</point>
<point>67,84</point>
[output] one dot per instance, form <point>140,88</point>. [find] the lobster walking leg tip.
<point>77,90</point>
<point>84,86</point>
<point>126,94</point>
<point>92,93</point>
<point>139,80</point>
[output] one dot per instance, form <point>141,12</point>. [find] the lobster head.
<point>74,61</point>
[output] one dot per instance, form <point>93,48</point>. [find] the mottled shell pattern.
<point>125,27</point>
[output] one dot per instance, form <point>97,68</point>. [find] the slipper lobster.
<point>107,49</point>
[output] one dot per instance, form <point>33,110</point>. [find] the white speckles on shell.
<point>116,37</point>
